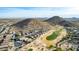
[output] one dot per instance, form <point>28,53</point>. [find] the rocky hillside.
<point>31,24</point>
<point>56,20</point>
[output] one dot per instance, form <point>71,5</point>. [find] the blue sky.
<point>29,12</point>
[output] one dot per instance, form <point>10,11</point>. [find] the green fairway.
<point>54,35</point>
<point>30,49</point>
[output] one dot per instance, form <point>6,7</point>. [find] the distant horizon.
<point>34,17</point>
<point>38,12</point>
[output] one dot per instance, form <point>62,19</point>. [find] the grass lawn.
<point>30,49</point>
<point>54,35</point>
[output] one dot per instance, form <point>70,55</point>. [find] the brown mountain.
<point>31,24</point>
<point>59,21</point>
